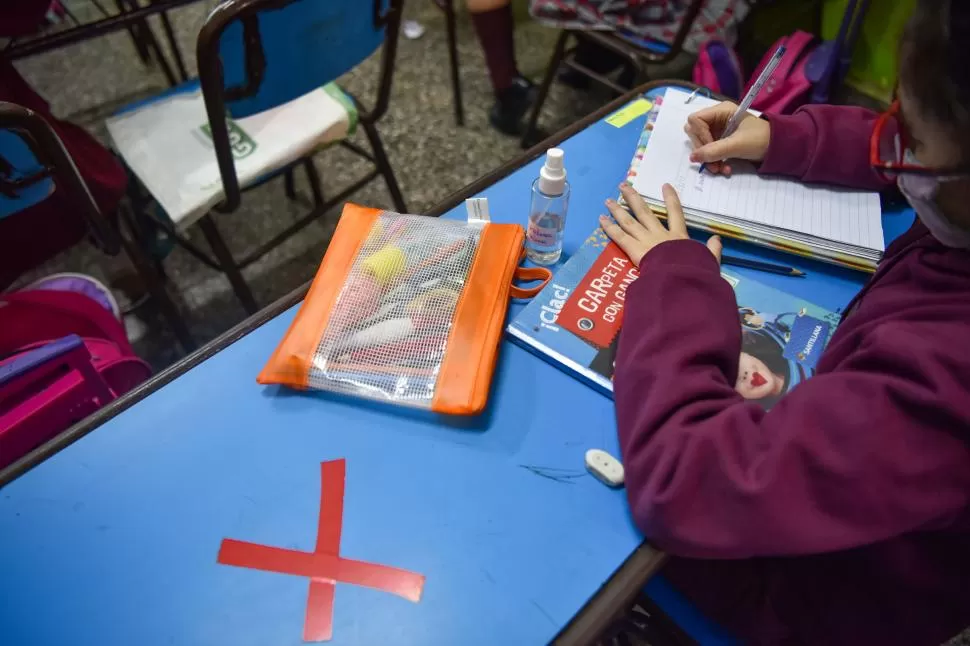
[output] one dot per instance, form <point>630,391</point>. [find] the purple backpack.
<point>719,69</point>
<point>788,87</point>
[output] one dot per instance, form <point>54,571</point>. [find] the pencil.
<point>734,261</point>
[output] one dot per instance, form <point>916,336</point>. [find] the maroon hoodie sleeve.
<point>824,143</point>
<point>711,475</point>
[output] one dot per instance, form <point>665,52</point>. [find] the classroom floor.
<point>432,157</point>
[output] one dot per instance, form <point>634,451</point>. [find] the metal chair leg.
<point>153,280</point>
<point>228,264</point>
<point>139,201</point>
<point>146,43</point>
<point>100,7</point>
<point>158,54</point>
<point>289,184</point>
<point>174,46</point>
<point>136,37</point>
<point>557,57</point>
<point>449,8</point>
<point>384,165</point>
<point>313,177</point>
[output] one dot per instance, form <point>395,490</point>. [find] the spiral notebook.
<point>828,223</point>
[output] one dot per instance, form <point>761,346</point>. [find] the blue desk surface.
<point>113,541</point>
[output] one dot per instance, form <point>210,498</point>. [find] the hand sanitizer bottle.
<point>547,217</point>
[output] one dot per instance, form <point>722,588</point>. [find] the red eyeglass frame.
<point>897,168</point>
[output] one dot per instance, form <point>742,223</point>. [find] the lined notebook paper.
<point>829,221</point>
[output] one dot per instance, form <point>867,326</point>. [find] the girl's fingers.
<point>630,245</point>
<point>715,167</point>
<point>698,130</point>
<point>695,141</point>
<point>640,209</point>
<point>717,151</point>
<point>714,118</point>
<point>700,135</point>
<point>626,221</point>
<point>675,213</point>
<point>715,246</point>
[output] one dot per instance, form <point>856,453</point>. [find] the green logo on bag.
<point>242,144</point>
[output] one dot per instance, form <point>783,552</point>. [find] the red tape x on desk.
<point>324,566</point>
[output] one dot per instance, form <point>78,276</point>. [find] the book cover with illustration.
<point>574,324</point>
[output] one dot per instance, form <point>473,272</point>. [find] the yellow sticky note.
<point>629,112</point>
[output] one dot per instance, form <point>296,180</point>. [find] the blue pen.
<point>749,98</point>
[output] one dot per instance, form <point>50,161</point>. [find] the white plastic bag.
<point>167,144</point>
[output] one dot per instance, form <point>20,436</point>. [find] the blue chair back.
<point>254,55</point>
<point>273,51</point>
<point>34,162</point>
<point>23,182</point>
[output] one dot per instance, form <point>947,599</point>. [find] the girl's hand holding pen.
<point>705,128</point>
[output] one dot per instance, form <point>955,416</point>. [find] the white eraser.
<point>605,467</point>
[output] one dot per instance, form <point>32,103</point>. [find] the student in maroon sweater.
<point>842,516</point>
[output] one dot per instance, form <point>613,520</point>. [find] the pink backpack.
<point>718,68</point>
<point>63,355</point>
<point>788,87</point>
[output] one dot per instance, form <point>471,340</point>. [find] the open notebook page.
<point>841,215</point>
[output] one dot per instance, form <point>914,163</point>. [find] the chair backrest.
<point>23,182</point>
<point>34,163</point>
<point>257,54</point>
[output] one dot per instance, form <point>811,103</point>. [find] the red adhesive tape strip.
<point>333,477</point>
<point>318,623</point>
<point>324,567</point>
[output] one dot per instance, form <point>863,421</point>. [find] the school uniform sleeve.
<point>826,144</point>
<point>858,454</point>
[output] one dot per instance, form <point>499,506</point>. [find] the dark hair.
<point>933,64</point>
<point>762,345</point>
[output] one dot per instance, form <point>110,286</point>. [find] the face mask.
<point>920,191</point>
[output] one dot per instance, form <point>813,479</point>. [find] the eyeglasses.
<point>887,150</point>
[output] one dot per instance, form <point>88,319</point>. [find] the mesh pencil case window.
<point>406,309</point>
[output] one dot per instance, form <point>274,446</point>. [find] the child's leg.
<point>494,24</point>
<point>513,94</point>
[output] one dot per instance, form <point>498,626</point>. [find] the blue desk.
<point>113,540</point>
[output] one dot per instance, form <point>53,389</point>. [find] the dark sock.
<point>494,29</point>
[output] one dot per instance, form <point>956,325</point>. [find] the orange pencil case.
<point>406,309</point>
